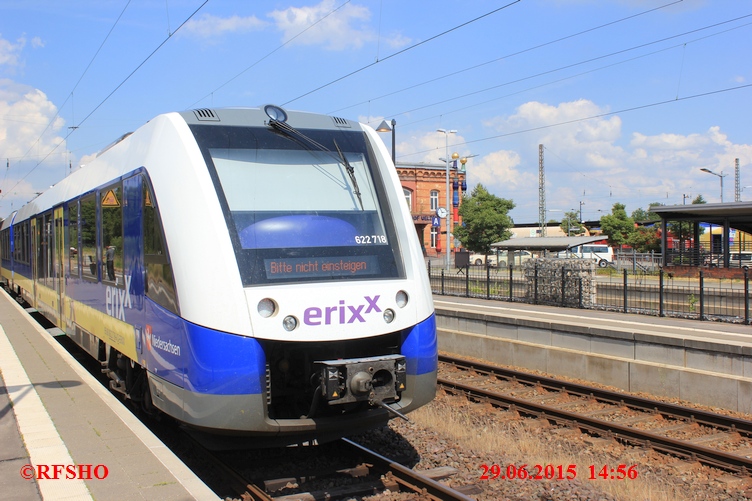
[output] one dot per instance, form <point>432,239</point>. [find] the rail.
<point>624,429</point>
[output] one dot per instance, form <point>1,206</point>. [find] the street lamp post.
<point>384,127</point>
<point>721,176</point>
<point>446,157</point>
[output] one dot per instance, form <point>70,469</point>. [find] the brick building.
<point>424,186</point>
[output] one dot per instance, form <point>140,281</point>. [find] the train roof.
<point>101,171</point>
<point>259,117</point>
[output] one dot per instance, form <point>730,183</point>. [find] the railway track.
<point>370,474</point>
<point>716,440</point>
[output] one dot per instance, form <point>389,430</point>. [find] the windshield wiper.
<point>351,173</point>
<point>296,135</point>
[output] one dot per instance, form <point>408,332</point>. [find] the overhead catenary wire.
<point>592,117</point>
<point>507,56</point>
<point>286,42</point>
<point>402,51</point>
<point>109,95</point>
<point>75,86</point>
<point>580,63</point>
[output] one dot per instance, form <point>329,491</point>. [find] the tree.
<point>571,224</point>
<point>645,239</point>
<point>641,215</point>
<point>485,220</point>
<point>617,225</point>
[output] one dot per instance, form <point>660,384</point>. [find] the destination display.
<point>287,268</point>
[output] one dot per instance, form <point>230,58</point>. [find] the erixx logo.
<point>341,313</point>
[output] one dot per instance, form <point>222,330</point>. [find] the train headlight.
<point>290,323</point>
<point>389,315</point>
<point>267,307</point>
<point>275,113</point>
<point>401,299</point>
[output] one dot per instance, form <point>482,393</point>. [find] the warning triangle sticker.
<point>110,200</point>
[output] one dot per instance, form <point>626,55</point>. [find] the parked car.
<point>501,258</point>
<point>736,260</point>
<point>603,255</point>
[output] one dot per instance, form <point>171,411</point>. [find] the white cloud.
<point>591,161</point>
<point>10,52</point>
<point>25,113</point>
<point>502,169</point>
<point>672,142</point>
<point>26,140</point>
<point>208,26</point>
<point>344,29</point>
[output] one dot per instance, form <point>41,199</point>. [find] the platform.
<point>53,412</point>
<point>704,362</point>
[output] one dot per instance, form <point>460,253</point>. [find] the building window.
<point>408,198</point>
<point>434,200</point>
<point>434,236</point>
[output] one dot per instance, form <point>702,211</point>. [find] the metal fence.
<point>658,293</point>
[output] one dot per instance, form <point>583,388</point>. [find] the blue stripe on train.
<point>219,363</point>
<point>222,363</point>
<point>420,347</point>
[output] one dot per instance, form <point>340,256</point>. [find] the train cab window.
<point>160,283</point>
<point>71,240</point>
<point>88,250</point>
<point>301,213</point>
<point>112,234</point>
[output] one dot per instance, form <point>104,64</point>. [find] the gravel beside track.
<point>660,477</point>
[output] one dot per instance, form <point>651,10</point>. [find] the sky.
<point>629,98</point>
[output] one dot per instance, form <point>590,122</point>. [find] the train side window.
<point>71,240</point>
<point>88,251</point>
<point>5,237</point>
<point>44,248</point>
<point>160,282</point>
<point>112,234</point>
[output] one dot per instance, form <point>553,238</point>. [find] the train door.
<point>34,258</point>
<point>133,258</point>
<point>58,262</point>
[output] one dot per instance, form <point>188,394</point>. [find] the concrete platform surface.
<point>703,362</point>
<point>53,412</point>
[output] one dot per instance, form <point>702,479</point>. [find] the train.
<point>254,273</point>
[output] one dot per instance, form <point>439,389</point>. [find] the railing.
<point>659,294</point>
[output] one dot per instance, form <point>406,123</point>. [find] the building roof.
<point>737,214</point>
<point>546,243</point>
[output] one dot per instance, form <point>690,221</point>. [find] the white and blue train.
<point>247,271</point>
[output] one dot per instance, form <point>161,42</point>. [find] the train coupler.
<point>373,379</point>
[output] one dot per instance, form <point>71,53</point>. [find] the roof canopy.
<point>738,215</point>
<point>546,243</point>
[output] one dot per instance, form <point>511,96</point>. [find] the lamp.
<point>384,127</point>
<point>446,157</point>
<point>721,176</point>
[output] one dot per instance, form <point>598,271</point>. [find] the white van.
<point>600,253</point>
<point>501,258</point>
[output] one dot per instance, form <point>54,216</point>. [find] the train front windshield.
<point>297,213</point>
